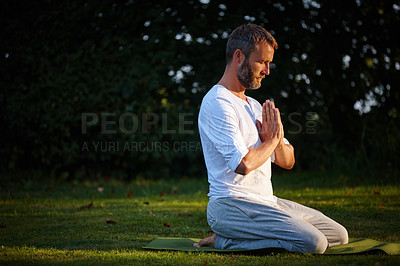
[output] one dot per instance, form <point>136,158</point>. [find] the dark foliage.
<point>142,67</point>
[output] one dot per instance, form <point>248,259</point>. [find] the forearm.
<point>256,157</point>
<point>284,155</point>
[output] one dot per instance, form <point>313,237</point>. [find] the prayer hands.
<point>271,128</point>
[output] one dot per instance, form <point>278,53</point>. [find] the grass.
<point>108,221</point>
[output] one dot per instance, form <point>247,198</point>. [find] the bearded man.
<point>240,139</point>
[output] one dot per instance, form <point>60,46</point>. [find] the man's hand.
<point>271,128</point>
<point>271,134</point>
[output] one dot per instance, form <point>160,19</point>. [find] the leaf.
<point>167,225</point>
<point>90,205</point>
<point>111,222</point>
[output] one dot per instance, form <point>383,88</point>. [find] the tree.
<point>335,79</point>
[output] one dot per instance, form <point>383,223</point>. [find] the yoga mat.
<point>355,246</point>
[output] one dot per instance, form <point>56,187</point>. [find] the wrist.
<point>281,144</point>
<point>271,142</point>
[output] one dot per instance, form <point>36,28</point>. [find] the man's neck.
<point>233,85</point>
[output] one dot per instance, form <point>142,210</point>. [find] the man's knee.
<point>316,243</point>
<point>343,236</point>
<point>321,245</point>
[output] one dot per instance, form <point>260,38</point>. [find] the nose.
<point>265,71</point>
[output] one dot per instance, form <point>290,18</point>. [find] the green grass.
<point>53,222</point>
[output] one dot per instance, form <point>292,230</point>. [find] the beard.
<point>247,77</point>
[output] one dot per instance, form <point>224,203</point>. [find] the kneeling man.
<point>240,138</point>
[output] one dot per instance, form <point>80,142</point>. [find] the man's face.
<point>256,66</point>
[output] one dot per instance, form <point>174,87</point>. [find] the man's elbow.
<point>244,168</point>
<point>288,165</point>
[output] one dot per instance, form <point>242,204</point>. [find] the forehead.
<point>263,51</point>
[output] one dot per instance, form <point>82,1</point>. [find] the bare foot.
<point>206,242</point>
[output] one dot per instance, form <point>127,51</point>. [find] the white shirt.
<point>227,126</point>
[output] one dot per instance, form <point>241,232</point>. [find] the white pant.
<point>242,224</point>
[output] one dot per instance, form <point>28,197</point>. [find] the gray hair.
<point>246,37</point>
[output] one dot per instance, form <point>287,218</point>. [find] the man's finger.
<point>269,116</point>
<point>278,116</point>
<point>259,126</point>
<point>264,114</point>
<point>272,113</point>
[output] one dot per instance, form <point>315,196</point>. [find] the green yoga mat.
<point>355,245</point>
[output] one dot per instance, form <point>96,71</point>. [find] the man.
<point>240,138</point>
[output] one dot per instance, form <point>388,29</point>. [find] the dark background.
<point>335,79</point>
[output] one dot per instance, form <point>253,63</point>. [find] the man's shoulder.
<point>218,103</point>
<point>217,95</point>
<point>216,91</point>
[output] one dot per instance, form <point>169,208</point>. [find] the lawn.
<point>106,221</point>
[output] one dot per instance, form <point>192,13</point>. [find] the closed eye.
<point>262,62</point>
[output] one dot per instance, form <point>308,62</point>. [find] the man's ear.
<point>238,56</point>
